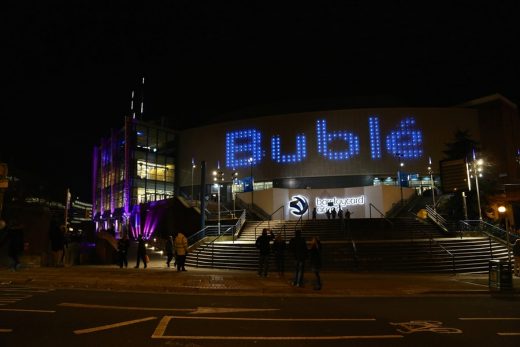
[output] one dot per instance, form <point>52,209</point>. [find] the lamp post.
<point>401,164</point>
<point>218,176</point>
<point>432,183</point>
<point>234,188</point>
<point>502,210</point>
<point>252,180</point>
<point>476,168</point>
<point>192,170</point>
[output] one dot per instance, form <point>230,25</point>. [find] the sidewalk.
<point>215,281</point>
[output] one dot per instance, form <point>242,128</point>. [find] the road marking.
<point>6,330</point>
<point>161,328</point>
<point>69,304</point>
<point>284,319</point>
<point>416,326</point>
<point>198,310</point>
<point>508,334</point>
<point>491,318</point>
<point>24,310</point>
<point>111,326</point>
<point>206,310</point>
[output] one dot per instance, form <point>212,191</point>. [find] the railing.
<point>270,217</point>
<point>432,241</point>
<point>492,231</point>
<point>437,218</point>
<point>229,231</point>
<point>371,206</point>
<point>238,225</point>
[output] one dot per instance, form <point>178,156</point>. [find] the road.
<point>70,317</point>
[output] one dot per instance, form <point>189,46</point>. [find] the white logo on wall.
<point>323,204</point>
<point>298,205</point>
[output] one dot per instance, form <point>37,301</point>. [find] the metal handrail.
<point>212,244</point>
<point>269,218</point>
<point>444,249</point>
<point>238,225</point>
<point>381,213</point>
<point>437,218</point>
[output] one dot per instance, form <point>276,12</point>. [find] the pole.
<point>202,194</point>
<point>252,180</point>
<point>192,169</point>
<point>465,205</point>
<point>218,206</point>
<point>478,193</point>
<point>508,244</point>
<point>432,183</point>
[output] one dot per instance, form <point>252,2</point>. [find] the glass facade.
<point>134,166</point>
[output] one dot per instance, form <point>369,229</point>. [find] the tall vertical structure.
<point>133,169</point>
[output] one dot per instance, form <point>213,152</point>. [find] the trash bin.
<point>500,275</point>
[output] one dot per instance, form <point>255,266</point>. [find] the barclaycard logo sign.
<point>298,205</point>
<point>323,204</point>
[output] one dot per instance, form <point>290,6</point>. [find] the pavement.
<point>157,277</point>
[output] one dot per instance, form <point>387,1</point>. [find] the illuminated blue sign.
<point>244,147</point>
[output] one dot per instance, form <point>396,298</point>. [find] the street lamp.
<point>401,164</point>
<point>502,210</point>
<point>192,170</point>
<point>432,183</point>
<point>476,168</point>
<point>234,188</point>
<point>218,176</point>
<point>252,180</point>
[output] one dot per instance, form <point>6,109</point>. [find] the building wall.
<point>435,127</point>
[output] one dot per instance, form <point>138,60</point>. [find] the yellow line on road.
<point>289,338</point>
<point>111,326</point>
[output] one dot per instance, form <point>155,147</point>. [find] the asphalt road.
<point>72,317</point>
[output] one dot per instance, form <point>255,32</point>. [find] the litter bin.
<point>500,275</point>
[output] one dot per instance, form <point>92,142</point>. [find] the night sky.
<point>72,65</point>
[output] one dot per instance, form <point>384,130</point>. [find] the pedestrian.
<point>141,252</point>
<point>516,255</point>
<point>340,213</point>
<point>122,249</point>
<point>181,251</point>
<point>328,213</point>
<point>347,214</point>
<point>314,213</point>
<point>263,244</point>
<point>315,258</point>
<point>279,254</point>
<point>15,243</point>
<point>333,213</point>
<point>57,238</point>
<point>298,247</point>
<point>168,247</point>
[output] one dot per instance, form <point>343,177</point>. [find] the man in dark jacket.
<point>264,246</point>
<point>298,247</point>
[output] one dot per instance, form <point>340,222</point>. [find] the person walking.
<point>516,255</point>
<point>141,252</point>
<point>315,258</point>
<point>279,254</point>
<point>263,245</point>
<point>298,247</point>
<point>15,244</point>
<point>328,213</point>
<point>314,213</point>
<point>333,213</point>
<point>168,247</point>
<point>122,248</point>
<point>181,250</point>
<point>57,238</point>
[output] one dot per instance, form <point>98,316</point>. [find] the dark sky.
<point>71,65</point>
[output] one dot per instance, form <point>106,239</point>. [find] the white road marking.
<point>198,310</point>
<point>6,330</point>
<point>508,334</point>
<point>111,326</point>
<point>161,328</point>
<point>70,304</point>
<point>491,318</point>
<point>24,310</point>
<point>283,319</point>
